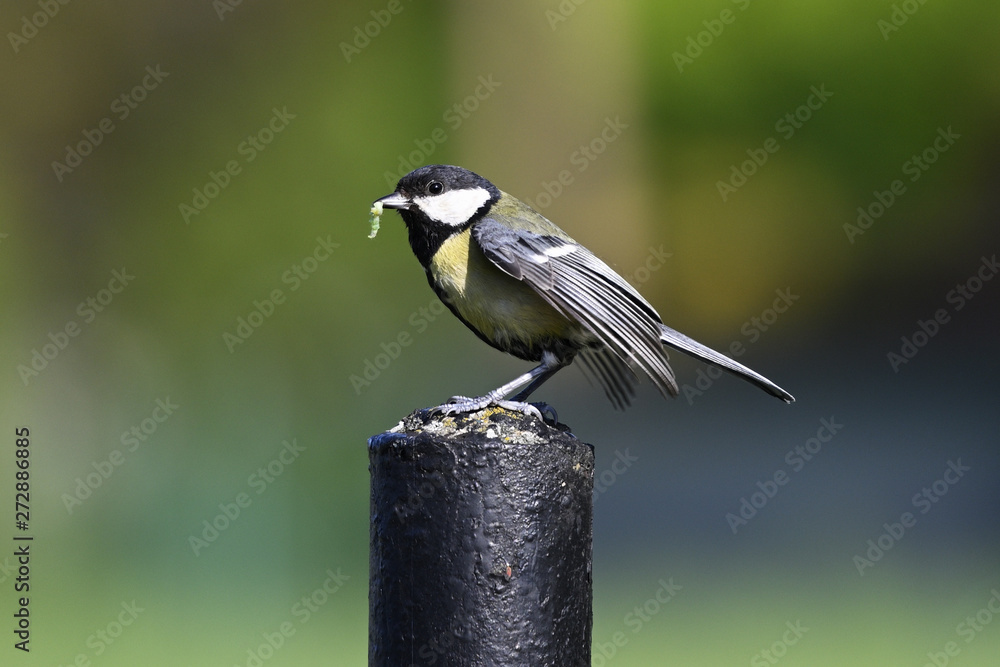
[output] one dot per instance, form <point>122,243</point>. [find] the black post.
<point>481,531</point>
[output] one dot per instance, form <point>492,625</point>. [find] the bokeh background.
<point>618,121</point>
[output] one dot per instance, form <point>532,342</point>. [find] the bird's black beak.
<point>395,200</point>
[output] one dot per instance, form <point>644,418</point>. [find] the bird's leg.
<point>536,382</point>
<point>533,379</point>
<point>544,408</point>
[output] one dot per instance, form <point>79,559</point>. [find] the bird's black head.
<point>437,201</point>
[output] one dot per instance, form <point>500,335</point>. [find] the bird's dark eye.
<point>435,187</point>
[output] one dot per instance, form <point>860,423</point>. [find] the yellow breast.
<point>501,307</point>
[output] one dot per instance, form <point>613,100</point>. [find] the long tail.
<point>679,341</point>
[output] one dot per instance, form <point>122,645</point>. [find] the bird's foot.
<point>464,404</point>
<point>548,412</point>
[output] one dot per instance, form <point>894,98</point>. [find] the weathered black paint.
<point>481,531</point>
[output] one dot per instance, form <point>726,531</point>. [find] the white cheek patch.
<point>454,207</point>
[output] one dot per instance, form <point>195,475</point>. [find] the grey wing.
<point>584,289</point>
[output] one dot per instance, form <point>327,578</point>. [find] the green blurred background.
<point>641,109</point>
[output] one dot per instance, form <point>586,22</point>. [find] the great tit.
<point>526,288</point>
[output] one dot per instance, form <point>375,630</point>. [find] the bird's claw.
<point>464,404</point>
<point>546,410</point>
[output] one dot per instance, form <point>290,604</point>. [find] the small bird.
<point>526,288</point>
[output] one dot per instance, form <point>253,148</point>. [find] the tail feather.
<point>679,341</point>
